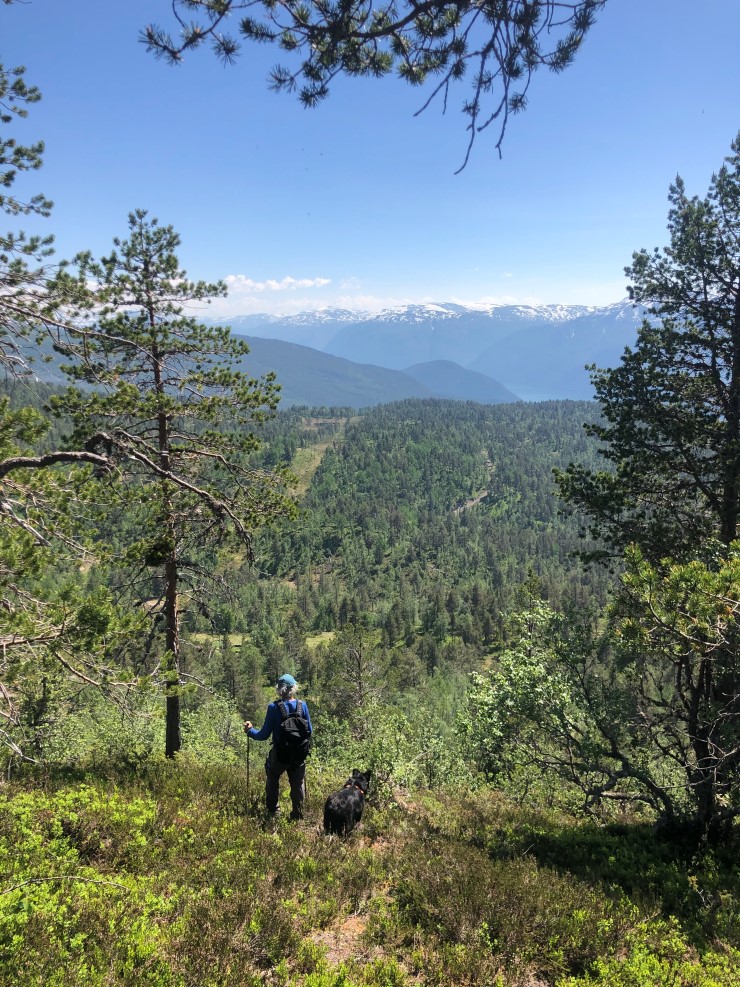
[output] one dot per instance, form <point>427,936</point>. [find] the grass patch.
<point>305,463</point>
<point>314,640</point>
<point>172,877</point>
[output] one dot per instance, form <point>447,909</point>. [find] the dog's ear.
<point>355,772</point>
<point>368,775</point>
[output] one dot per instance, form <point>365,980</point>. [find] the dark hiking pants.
<point>296,777</point>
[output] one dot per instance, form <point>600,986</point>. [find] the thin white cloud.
<point>291,296</point>
<point>240,284</point>
<point>286,296</point>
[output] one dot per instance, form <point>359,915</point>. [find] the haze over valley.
<point>492,354</point>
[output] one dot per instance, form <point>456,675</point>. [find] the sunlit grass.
<point>172,877</point>
<point>314,640</point>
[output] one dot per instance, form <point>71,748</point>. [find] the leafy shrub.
<point>103,736</point>
<point>173,879</point>
<point>657,955</point>
<point>522,913</point>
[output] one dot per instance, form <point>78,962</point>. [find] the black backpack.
<point>293,742</point>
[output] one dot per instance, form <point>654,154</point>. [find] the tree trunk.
<point>173,738</point>
<point>731,493</point>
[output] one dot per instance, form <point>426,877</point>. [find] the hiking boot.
<point>296,815</point>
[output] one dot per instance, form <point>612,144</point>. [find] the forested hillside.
<point>518,624</point>
<point>423,526</point>
<point>424,517</point>
<point>431,599</point>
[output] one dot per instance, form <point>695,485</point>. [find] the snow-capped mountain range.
<point>534,352</point>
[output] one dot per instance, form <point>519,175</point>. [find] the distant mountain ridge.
<point>401,337</point>
<point>536,352</point>
<point>446,379</point>
<point>309,377</point>
<point>313,329</point>
<point>487,354</point>
<point>319,329</point>
<point>545,361</point>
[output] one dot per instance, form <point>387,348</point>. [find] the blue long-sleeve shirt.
<point>273,719</point>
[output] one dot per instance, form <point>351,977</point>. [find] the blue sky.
<point>356,203</point>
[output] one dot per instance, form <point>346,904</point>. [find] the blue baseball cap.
<point>287,680</point>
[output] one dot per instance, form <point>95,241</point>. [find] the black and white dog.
<point>343,809</point>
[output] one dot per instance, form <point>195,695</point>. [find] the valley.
<point>494,354</point>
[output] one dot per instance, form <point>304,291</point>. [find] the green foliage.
<point>214,731</point>
<point>671,428</point>
<point>657,955</point>
<point>638,713</point>
<point>421,42</point>
<point>99,732</point>
<point>27,306</point>
<point>671,501</point>
<point>424,517</point>
<point>549,924</point>
<point>678,638</point>
<point>58,636</point>
<point>47,621</point>
<point>390,589</point>
<point>171,877</point>
<point>165,402</point>
<point>20,297</point>
<point>402,746</point>
<point>421,521</point>
<point>523,700</point>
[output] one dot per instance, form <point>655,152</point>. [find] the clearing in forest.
<point>308,459</point>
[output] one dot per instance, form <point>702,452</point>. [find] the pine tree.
<point>671,409</point>
<point>22,258</point>
<point>47,626</point>
<point>671,433</point>
<point>164,398</point>
<point>501,44</point>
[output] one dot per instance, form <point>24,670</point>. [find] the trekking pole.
<point>249,787</point>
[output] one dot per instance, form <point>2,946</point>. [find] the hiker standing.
<point>288,723</point>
